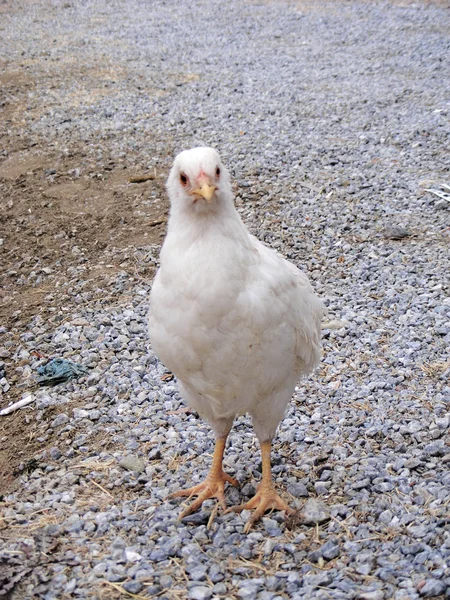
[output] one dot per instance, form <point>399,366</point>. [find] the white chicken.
<point>236,323</point>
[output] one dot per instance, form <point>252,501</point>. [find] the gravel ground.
<point>334,120</point>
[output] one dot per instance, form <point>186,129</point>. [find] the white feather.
<point>235,322</point>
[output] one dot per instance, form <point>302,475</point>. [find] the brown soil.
<point>46,219</point>
<point>60,209</point>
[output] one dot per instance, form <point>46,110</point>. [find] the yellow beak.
<point>205,191</point>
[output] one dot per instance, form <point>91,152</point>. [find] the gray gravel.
<point>333,120</point>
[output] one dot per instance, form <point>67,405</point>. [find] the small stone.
<point>198,518</point>
<point>119,542</point>
<point>91,391</point>
<point>361,484</point>
<point>436,433</point>
<point>375,595</point>
<point>198,573</point>
<point>315,556</point>
<point>395,232</point>
<point>443,423</point>
<point>248,490</point>
<point>364,569</point>
<point>431,588</point>
<point>159,555</point>
<point>80,413</point>
<point>335,324</point>
<point>436,449</point>
<point>322,579</point>
<point>273,583</point>
<point>321,488</point>
<point>72,584</point>
<point>91,333</point>
<point>153,590</point>
<point>166,581</point>
<point>330,550</point>
<point>61,419</point>
<point>315,512</point>
<point>79,322</point>
<point>100,569</point>
<point>441,204</point>
<point>326,475</point>
<point>135,327</point>
<point>154,454</point>
<point>132,463</point>
<point>67,498</point>
<point>412,463</point>
<point>55,453</point>
<point>269,547</point>
<point>132,556</point>
<point>133,587</point>
<point>298,490</point>
<point>247,591</point>
<point>200,593</point>
<point>215,573</point>
<point>52,529</point>
<point>418,531</point>
<point>386,517</point>
<point>271,526</point>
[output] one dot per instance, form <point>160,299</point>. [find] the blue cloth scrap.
<point>59,370</point>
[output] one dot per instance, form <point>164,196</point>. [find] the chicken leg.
<point>266,497</point>
<point>212,487</point>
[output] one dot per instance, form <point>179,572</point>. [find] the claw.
<point>266,498</point>
<point>212,487</point>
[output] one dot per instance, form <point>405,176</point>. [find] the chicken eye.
<point>183,179</point>
<point>218,172</point>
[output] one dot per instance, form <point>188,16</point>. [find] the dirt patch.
<point>63,209</point>
<point>27,437</point>
<point>53,218</point>
<point>21,163</point>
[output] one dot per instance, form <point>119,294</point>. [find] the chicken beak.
<point>205,191</point>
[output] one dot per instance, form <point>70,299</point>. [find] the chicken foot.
<point>212,487</point>
<point>266,497</point>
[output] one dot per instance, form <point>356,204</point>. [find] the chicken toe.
<point>266,498</point>
<point>212,487</point>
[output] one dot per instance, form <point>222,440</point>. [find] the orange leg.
<point>212,487</point>
<point>266,497</point>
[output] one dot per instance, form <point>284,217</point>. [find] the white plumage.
<point>235,322</point>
